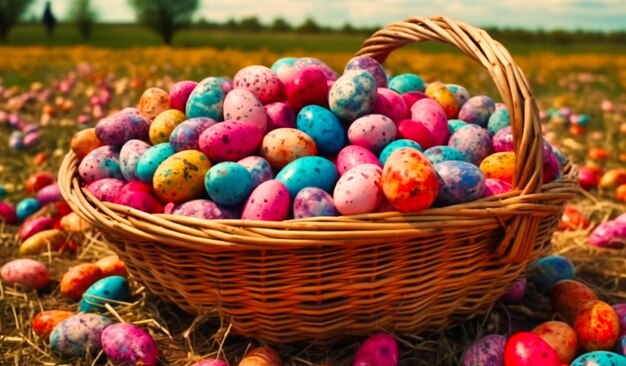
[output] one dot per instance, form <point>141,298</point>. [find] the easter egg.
<point>561,337</point>
<point>610,234</point>
<point>527,349</point>
<point>111,290</point>
<point>359,190</point>
<point>498,120</point>
<point>26,208</point>
<point>128,344</point>
<point>78,279</point>
<point>372,132</point>
<point>279,115</point>
<point>460,94</point>
<point>106,190</point>
<point>308,171</point>
<point>142,200</point>
<point>613,178</point>
<point>503,140</point>
<point>500,165</point>
<point>116,129</point>
<point>243,105</point>
<point>259,168</point>
<point>151,159</point>
<point>477,110</point>
<point>353,155</point>
<point>307,86</point>
<point>409,180</point>
<point>79,335</point>
<point>33,226</point>
<point>620,311</point>
<point>186,135</point>
<point>433,117</point>
<point>313,202</point>
<point>72,223</point>
<point>409,129</point>
<point>112,265</point>
<point>45,321</point>
<point>230,141</point>
<point>283,67</point>
<point>210,362</point>
<point>473,142</point>
<point>228,183</point>
<point>587,178</point>
<point>459,182</point>
<point>597,326</point>
<point>154,101</point>
<point>370,65</point>
<point>16,140</point>
<point>284,145</point>
<point>547,271</point>
<point>411,97</point>
<point>103,162</point>
<point>207,99</point>
<point>179,94</point>
<point>600,358</point>
<point>573,219</point>
<point>317,64</point>
<point>259,80</point>
<point>268,202</point>
<point>163,124</point>
<point>438,154</point>
<point>455,124</point>
<point>181,176</point>
<point>323,127</point>
<point>7,213</point>
<point>487,351</point>
<point>404,83</point>
<point>27,273</point>
<point>38,180</point>
<point>49,194</point>
<point>390,104</point>
<point>515,292</point>
<point>130,154</point>
<point>261,356</point>
<point>352,95</point>
<point>378,349</point>
<point>569,296</point>
<point>204,209</point>
<point>46,240</point>
<point>440,93</point>
<point>31,139</point>
<point>395,145</point>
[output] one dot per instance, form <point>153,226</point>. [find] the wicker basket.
<point>327,278</point>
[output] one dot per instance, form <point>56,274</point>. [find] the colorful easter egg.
<point>244,106</point>
<point>378,349</point>
<point>230,141</point>
<point>569,296</point>
<point>498,120</point>
<point>261,356</point>
<point>433,117</point>
<point>307,86</point>
<point>500,165</point>
<point>187,134</point>
<point>308,171</point>
<point>597,326</point>
<point>390,104</point>
<point>130,154</point>
<point>459,182</point>
<point>313,202</point>
<point>107,189</point>
<point>409,129</point>
<point>49,194</point>
<point>45,321</point>
<point>516,292</point>
<point>460,94</point>
<point>395,145</point>
<point>359,190</point>
<point>495,186</point>
<point>109,290</point>
<point>473,142</point>
<point>279,115</point>
<point>477,110</point>
<point>353,155</point>
<point>103,162</point>
<point>438,154</point>
<point>527,349</point>
<point>154,101</point>
<point>547,271</point>
<point>487,351</point>
<point>353,95</point>
<point>78,279</point>
<point>33,226</point>
<point>284,68</point>
<point>26,207</point>
<point>316,63</point>
<point>128,344</point>
<point>151,159</point>
<point>600,358</point>
<point>163,125</point>
<point>268,202</point>
<point>561,337</point>
<point>411,97</point>
<point>259,168</point>
<point>228,183</point>
<point>503,140</point>
<point>140,200</point>
<point>181,176</point>
<point>72,223</point>
<point>179,94</point>
<point>440,93</point>
<point>112,265</point>
<point>455,124</point>
<point>205,209</point>
<point>79,335</point>
<point>323,127</point>
<point>284,145</point>
<point>46,240</point>
<point>373,132</point>
<point>573,219</point>
<point>38,181</point>
<point>27,273</point>
<point>620,311</point>
<point>404,83</point>
<point>260,80</point>
<point>370,65</point>
<point>122,126</point>
<point>207,99</point>
<point>610,234</point>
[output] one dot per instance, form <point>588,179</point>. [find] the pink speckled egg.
<point>308,86</point>
<point>261,81</point>
<point>487,351</point>
<point>528,349</point>
<point>128,344</point>
<point>494,187</point>
<point>243,105</point>
<point>103,162</point>
<point>107,189</point>
<point>316,63</point>
<point>416,131</point>
<point>129,157</point>
<point>179,93</point>
<point>141,201</point>
<point>204,209</point>
<point>279,115</point>
<point>411,97</point>
<point>390,104</point>
<point>269,201</point>
<point>313,202</point>
<point>154,101</point>
<point>353,155</point>
<point>370,65</point>
<point>121,127</point>
<point>359,190</point>
<point>473,142</point>
<point>230,141</point>
<point>259,168</point>
<point>373,132</point>
<point>433,117</point>
<point>27,273</point>
<point>284,145</point>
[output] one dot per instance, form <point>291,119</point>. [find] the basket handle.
<point>514,90</point>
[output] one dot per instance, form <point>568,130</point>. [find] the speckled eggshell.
<point>205,209</point>
<point>79,335</point>
<point>128,344</point>
<point>404,83</point>
<point>459,182</point>
<point>359,190</point>
<point>353,155</point>
<point>547,271</point>
<point>409,180</point>
<point>107,189</point>
<point>498,120</point>
<point>186,135</point>
<point>228,183</point>
<point>372,132</point>
<point>181,176</point>
<point>516,292</point>
<point>487,351</point>
<point>440,93</point>
<point>45,321</point>
<point>78,279</point>
<point>243,105</point>
<point>390,104</point>
<point>528,349</point>
<point>416,131</point>
<point>268,202</point>
<point>473,142</point>
<point>370,65</point>
<point>151,159</point>
<point>477,110</point>
<point>85,141</point>
<point>163,125</point>
<point>284,145</point>
<point>395,145</point>
<point>323,127</point>
<point>307,86</point>
<point>308,171</point>
<point>111,290</point>
<point>179,94</point>
<point>455,124</point>
<point>561,337</point>
<point>503,140</point>
<point>438,154</point>
<point>230,141</point>
<point>284,68</point>
<point>600,358</point>
<point>495,187</point>
<point>313,202</point>
<point>460,94</point>
<point>500,165</point>
<point>259,168</point>
<point>130,154</point>
<point>103,162</point>
<point>608,235</point>
<point>279,115</point>
<point>27,273</point>
<point>316,63</point>
<point>353,95</point>
<point>207,99</point>
<point>569,296</point>
<point>154,101</point>
<point>597,326</point>
<point>433,117</point>
<point>261,81</point>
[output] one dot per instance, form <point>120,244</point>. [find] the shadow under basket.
<point>322,279</point>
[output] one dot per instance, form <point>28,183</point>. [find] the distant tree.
<point>10,13</point>
<point>280,25</point>
<point>84,16</point>
<point>48,19</point>
<point>165,17</point>
<point>250,24</point>
<point>348,28</point>
<point>231,24</point>
<point>309,26</point>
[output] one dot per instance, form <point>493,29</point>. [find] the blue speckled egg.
<point>204,209</point>
<point>308,171</point>
<point>373,132</point>
<point>459,182</point>
<point>207,99</point>
<point>547,271</point>
<point>473,142</point>
<point>487,351</point>
<point>109,290</point>
<point>404,83</point>
<point>151,159</point>
<point>455,124</point>
<point>313,202</point>
<point>460,94</point>
<point>129,158</point>
<point>27,207</point>
<point>477,110</point>
<point>370,65</point>
<point>259,168</point>
<point>187,134</point>
<point>353,95</point>
<point>395,145</point>
<point>437,154</point>
<point>228,183</point>
<point>600,358</point>
<point>79,335</point>
<point>103,162</point>
<point>323,127</point>
<point>498,120</point>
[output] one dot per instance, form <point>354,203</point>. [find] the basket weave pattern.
<point>323,279</point>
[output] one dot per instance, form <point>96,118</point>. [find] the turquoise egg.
<point>498,120</point>
<point>353,95</point>
<point>323,127</point>
<point>547,271</point>
<point>404,83</point>
<point>228,183</point>
<point>583,119</point>
<point>27,207</point>
<point>79,335</point>
<point>151,159</point>
<point>207,99</point>
<point>113,288</point>
<point>395,145</point>
<point>308,171</point>
<point>459,181</point>
<point>600,358</point>
<point>437,154</point>
<point>455,124</point>
<point>283,62</point>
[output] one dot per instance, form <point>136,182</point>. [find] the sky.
<point>604,15</point>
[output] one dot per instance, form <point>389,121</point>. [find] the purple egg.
<point>487,351</point>
<point>107,189</point>
<point>313,202</point>
<point>503,140</point>
<point>611,235</point>
<point>130,154</point>
<point>477,110</point>
<point>516,292</point>
<point>49,193</point>
<point>128,344</point>
<point>100,163</point>
<point>473,142</point>
<point>620,310</point>
<point>370,65</point>
<point>459,182</point>
<point>31,139</point>
<point>204,209</point>
<point>187,134</point>
<point>259,168</point>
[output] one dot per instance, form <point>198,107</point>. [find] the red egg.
<point>587,178</point>
<point>573,219</point>
<point>38,180</point>
<point>597,326</point>
<point>528,349</point>
<point>561,337</point>
<point>569,296</point>
<point>78,279</point>
<point>44,322</point>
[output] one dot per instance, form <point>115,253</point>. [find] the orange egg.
<point>569,296</point>
<point>44,322</point>
<point>112,266</point>
<point>284,145</point>
<point>573,219</point>
<point>561,337</point>
<point>262,356</point>
<point>444,96</point>
<point>597,326</point>
<point>500,165</point>
<point>72,223</point>
<point>620,193</point>
<point>84,142</point>
<point>613,178</point>
<point>154,101</point>
<point>577,130</point>
<point>598,153</point>
<point>78,279</point>
<point>38,180</point>
<point>40,159</point>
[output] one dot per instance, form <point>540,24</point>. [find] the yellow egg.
<point>162,126</point>
<point>72,223</point>
<point>444,96</point>
<point>181,176</point>
<point>262,356</point>
<point>53,239</point>
<point>500,165</point>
